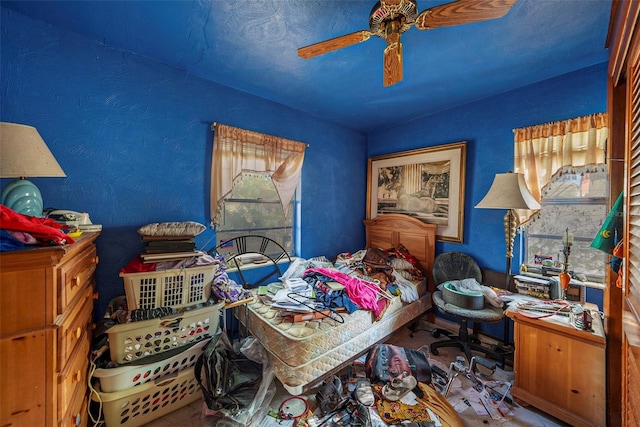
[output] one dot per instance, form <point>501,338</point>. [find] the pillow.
<point>177,229</point>
<point>406,274</point>
<point>401,264</point>
<point>404,258</point>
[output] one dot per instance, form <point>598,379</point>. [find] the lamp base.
<point>23,197</point>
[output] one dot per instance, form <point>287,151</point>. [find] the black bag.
<point>231,380</point>
<point>386,362</point>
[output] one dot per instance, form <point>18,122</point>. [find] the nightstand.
<point>560,369</point>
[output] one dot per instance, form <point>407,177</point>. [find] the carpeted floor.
<point>518,416</point>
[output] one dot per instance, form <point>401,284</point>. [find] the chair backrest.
<point>455,266</point>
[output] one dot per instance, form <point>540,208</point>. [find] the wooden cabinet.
<point>559,369</point>
<point>46,317</point>
<point>622,305</point>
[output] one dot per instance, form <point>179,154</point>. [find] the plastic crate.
<point>180,287</point>
<point>140,405</point>
<point>129,342</point>
<point>123,377</point>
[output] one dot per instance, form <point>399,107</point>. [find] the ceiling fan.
<point>390,18</point>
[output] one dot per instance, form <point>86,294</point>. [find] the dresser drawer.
<point>77,413</point>
<point>25,299</point>
<point>73,378</point>
<point>75,327</point>
<point>23,373</point>
<point>74,274</point>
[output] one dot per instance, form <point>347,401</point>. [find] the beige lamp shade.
<point>23,153</point>
<point>509,191</point>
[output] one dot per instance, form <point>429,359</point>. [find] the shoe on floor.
<point>363,393</point>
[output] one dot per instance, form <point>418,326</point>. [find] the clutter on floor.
<point>461,396</point>
<point>390,385</point>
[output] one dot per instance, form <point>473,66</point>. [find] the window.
<point>253,208</point>
<point>254,181</point>
<point>574,199</point>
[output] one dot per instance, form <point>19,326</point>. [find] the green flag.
<point>611,229</point>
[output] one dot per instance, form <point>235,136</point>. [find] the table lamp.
<point>509,191</point>
<point>23,153</point>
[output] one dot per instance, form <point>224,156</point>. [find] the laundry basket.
<point>129,342</point>
<point>142,404</point>
<point>123,377</point>
<point>180,287</point>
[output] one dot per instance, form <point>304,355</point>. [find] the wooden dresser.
<point>46,317</point>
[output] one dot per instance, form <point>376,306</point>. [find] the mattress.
<point>303,353</point>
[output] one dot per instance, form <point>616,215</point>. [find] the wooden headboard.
<point>390,230</point>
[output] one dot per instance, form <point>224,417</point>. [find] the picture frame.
<point>427,183</point>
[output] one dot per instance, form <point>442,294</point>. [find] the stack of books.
<point>168,248</point>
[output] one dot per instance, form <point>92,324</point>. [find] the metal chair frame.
<point>252,244</point>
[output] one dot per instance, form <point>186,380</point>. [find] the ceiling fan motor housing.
<point>403,11</point>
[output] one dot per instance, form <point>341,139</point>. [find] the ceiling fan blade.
<point>392,61</point>
<point>462,12</point>
<point>333,44</point>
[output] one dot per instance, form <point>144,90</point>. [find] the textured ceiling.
<point>251,45</point>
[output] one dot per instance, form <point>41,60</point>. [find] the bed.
<point>305,353</point>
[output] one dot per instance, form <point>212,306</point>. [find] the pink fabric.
<point>362,294</point>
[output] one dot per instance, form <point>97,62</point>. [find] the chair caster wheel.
<point>435,334</point>
<point>434,351</point>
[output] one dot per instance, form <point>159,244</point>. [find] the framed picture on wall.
<point>427,183</point>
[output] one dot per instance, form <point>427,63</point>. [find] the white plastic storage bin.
<point>132,341</point>
<point>123,377</point>
<point>179,287</point>
<point>140,405</point>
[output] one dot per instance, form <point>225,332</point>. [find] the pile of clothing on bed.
<point>366,280</point>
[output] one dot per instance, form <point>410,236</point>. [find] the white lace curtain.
<point>544,150</point>
<point>238,150</point>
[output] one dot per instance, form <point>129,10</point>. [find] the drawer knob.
<point>75,282</point>
<point>96,259</point>
<point>78,332</point>
<point>77,375</point>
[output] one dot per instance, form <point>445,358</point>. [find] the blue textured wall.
<point>134,138</point>
<point>487,126</point>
